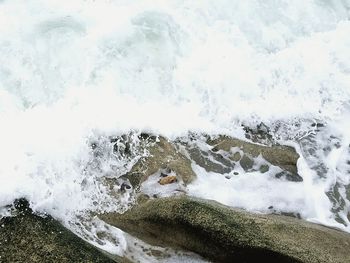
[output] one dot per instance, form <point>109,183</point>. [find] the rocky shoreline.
<point>216,232</point>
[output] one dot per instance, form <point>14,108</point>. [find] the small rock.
<point>317,125</point>
<point>236,157</point>
<point>163,175</point>
<point>264,168</point>
<point>214,149</point>
<point>167,180</point>
<point>246,163</point>
<point>124,187</point>
<point>289,176</point>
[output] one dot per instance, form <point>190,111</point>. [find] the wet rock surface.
<point>211,161</point>
<point>31,238</point>
<point>223,234</point>
<point>219,155</point>
<point>244,152</point>
<point>163,155</point>
<point>212,230</point>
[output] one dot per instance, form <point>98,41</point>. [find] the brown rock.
<point>167,180</point>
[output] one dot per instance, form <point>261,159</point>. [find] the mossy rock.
<point>27,237</point>
<point>223,234</point>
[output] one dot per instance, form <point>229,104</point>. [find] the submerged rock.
<point>221,155</point>
<point>210,161</point>
<point>246,163</point>
<point>31,238</point>
<point>284,157</point>
<point>223,234</point>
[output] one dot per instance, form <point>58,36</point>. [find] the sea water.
<point>77,72</point>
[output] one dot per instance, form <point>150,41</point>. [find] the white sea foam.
<point>80,71</point>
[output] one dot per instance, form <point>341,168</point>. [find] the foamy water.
<point>75,72</point>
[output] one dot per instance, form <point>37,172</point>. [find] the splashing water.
<point>86,71</point>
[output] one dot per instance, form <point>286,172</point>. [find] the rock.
<point>177,156</point>
<point>289,176</point>
<point>264,168</point>
<point>167,180</point>
<point>261,133</point>
<point>31,238</point>
<point>236,157</point>
<point>246,163</point>
<point>223,234</point>
<point>283,156</point>
<point>162,155</point>
<point>210,161</point>
<point>124,186</point>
